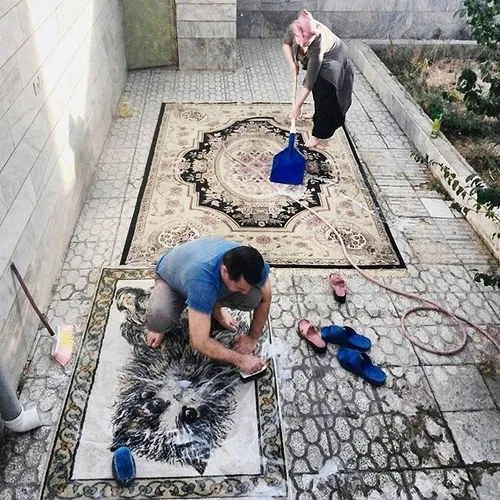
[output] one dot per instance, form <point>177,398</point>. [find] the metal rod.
<point>42,317</point>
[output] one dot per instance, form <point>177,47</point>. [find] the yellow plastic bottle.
<point>124,109</point>
<point>436,125</point>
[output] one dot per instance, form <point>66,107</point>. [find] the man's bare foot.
<point>312,142</point>
<point>225,319</point>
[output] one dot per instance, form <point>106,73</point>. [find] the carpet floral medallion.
<point>194,428</point>
<point>193,187</point>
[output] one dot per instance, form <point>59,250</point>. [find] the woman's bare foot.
<point>312,142</point>
<point>225,319</point>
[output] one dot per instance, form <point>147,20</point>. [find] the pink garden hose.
<point>430,305</point>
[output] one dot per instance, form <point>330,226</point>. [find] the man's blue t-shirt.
<point>193,271</point>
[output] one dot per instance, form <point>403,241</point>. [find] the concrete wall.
<point>62,70</point>
<point>150,33</point>
<point>355,18</point>
<point>206,31</point>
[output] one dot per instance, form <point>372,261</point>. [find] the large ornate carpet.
<point>193,188</point>
<point>194,428</point>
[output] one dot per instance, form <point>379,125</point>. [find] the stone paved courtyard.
<point>432,432</point>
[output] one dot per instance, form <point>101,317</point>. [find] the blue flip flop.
<point>123,466</point>
<point>360,364</point>
<point>346,336</point>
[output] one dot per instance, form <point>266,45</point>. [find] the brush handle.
<point>294,98</point>
<point>42,317</point>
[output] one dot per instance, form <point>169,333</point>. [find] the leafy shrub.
<point>482,92</point>
<point>413,66</point>
<point>478,198</point>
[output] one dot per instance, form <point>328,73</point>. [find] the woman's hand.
<point>295,113</point>
<point>294,68</point>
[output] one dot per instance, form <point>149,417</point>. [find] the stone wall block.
<point>192,53</point>
<point>210,29</point>
<point>206,12</point>
<point>207,34</point>
<point>376,19</point>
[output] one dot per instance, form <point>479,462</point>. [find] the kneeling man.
<point>206,275</point>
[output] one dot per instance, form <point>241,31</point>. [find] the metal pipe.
<point>10,407</point>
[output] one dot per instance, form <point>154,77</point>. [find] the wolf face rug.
<point>194,188</point>
<point>194,429</point>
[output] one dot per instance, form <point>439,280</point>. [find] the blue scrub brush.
<point>123,466</point>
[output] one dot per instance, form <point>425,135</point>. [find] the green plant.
<point>433,104</point>
<point>456,122</point>
<point>409,64</point>
<point>474,135</point>
<point>435,185</point>
<point>463,123</point>
<point>451,95</point>
<point>483,97</point>
<point>483,200</point>
<point>484,154</point>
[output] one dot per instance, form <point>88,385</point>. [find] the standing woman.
<point>329,74</point>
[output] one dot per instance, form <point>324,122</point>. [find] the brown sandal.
<point>311,335</point>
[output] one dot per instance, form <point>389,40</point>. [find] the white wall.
<point>62,70</point>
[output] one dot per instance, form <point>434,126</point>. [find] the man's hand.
<point>225,319</point>
<point>154,339</point>
<point>251,364</point>
<point>244,344</point>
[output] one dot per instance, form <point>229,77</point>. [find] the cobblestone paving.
<point>432,432</point>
